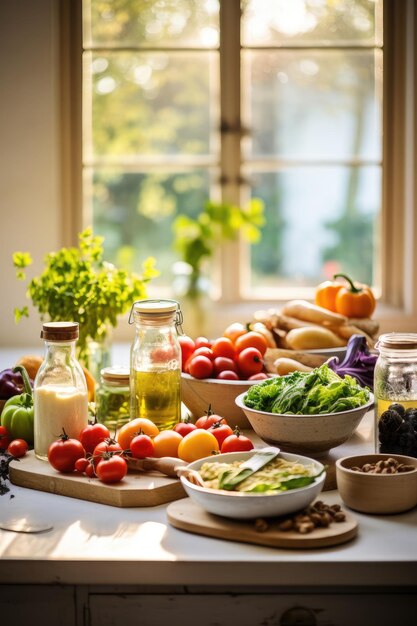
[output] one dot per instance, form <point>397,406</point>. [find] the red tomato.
<point>18,448</point>
<point>92,435</point>
<point>108,445</point>
<point>90,470</point>
<point>141,446</point>
<point>202,342</point>
<point>227,375</point>
<point>4,438</point>
<point>223,346</point>
<point>201,367</point>
<point>222,363</point>
<point>112,469</point>
<point>208,420</point>
<point>249,362</point>
<point>64,452</point>
<point>187,348</point>
<point>252,339</point>
<point>204,351</point>
<point>259,376</point>
<point>81,465</point>
<point>183,428</point>
<point>236,443</point>
<point>220,431</point>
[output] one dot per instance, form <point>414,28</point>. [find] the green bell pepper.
<point>17,414</point>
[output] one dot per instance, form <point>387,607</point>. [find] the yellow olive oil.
<point>157,397</point>
<point>383,405</point>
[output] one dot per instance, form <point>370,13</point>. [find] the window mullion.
<point>230,136</point>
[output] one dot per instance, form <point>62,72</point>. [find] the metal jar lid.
<point>60,331</point>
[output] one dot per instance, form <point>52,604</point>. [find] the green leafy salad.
<point>307,393</point>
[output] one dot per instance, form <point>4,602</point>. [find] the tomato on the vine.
<point>249,362</point>
<point>111,469</point>
<point>108,445</point>
<point>92,435</point>
<point>183,428</point>
<point>209,419</point>
<point>64,452</point>
<point>4,438</point>
<point>133,428</point>
<point>90,470</point>
<point>220,431</point>
<point>236,443</point>
<point>18,448</point>
<point>81,465</point>
<point>142,446</point>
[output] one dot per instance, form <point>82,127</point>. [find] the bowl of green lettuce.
<point>306,412</point>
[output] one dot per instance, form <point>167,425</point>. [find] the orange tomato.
<point>233,331</point>
<point>252,339</point>
<point>166,443</point>
<point>133,428</point>
<point>223,346</point>
<point>197,444</point>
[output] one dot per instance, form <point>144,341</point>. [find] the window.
<point>188,100</point>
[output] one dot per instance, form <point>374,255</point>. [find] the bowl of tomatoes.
<point>215,372</point>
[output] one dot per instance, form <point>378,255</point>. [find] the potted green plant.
<point>76,284</point>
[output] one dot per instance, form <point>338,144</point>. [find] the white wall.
<point>30,198</point>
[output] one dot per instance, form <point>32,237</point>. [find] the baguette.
<point>308,312</point>
<point>311,360</point>
<point>285,322</point>
<point>313,338</point>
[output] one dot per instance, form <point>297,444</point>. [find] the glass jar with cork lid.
<point>155,366</point>
<point>395,389</point>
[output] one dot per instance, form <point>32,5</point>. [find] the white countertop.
<point>97,544</point>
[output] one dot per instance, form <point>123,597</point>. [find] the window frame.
<point>397,308</point>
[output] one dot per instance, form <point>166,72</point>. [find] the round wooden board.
<point>186,515</point>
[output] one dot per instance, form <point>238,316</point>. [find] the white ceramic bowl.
<point>240,505</point>
<point>197,394</point>
<point>306,434</point>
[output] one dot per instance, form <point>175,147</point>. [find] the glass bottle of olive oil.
<point>155,369</point>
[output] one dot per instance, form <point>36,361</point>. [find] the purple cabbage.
<point>358,362</point>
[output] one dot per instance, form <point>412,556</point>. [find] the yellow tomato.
<point>166,443</point>
<point>133,428</point>
<point>197,444</point>
<point>235,330</point>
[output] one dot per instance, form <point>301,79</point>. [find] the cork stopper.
<point>59,331</point>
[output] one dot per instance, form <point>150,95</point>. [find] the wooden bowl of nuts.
<point>378,483</point>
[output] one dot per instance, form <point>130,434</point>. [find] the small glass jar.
<point>155,367</point>
<point>395,389</point>
<point>113,397</point>
<point>60,389</point>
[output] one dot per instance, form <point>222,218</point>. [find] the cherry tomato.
<point>112,469</point>
<point>64,452</point>
<point>236,443</point>
<point>187,348</point>
<point>18,448</point>
<point>252,339</point>
<point>197,444</point>
<point>201,342</point>
<point>206,421</point>
<point>92,435</point>
<point>227,375</point>
<point>223,346</point>
<point>166,443</point>
<point>183,428</point>
<point>142,446</point>
<point>81,465</point>
<point>222,363</point>
<point>90,470</point>
<point>108,445</point>
<point>204,351</point>
<point>4,438</point>
<point>233,331</point>
<point>259,376</point>
<point>220,431</point>
<point>201,367</point>
<point>133,428</point>
<point>249,362</point>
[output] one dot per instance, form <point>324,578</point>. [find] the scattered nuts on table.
<point>317,515</point>
<point>388,466</point>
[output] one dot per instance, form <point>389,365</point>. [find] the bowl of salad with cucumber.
<point>306,412</point>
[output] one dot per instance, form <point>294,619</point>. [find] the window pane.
<point>150,103</point>
<point>319,221</point>
<point>135,212</point>
<point>312,104</point>
<point>310,22</point>
<point>178,23</point>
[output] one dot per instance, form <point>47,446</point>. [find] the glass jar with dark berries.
<point>395,389</point>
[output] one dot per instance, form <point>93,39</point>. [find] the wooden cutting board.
<point>136,489</point>
<point>186,515</point>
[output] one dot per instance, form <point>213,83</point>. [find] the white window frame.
<point>397,307</point>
